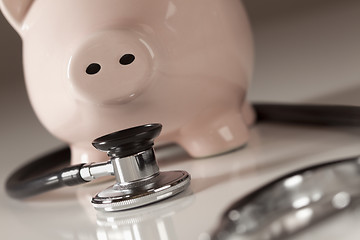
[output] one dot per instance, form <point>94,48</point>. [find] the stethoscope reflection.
<point>294,203</point>
<point>150,222</point>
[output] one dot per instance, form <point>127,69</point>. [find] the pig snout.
<point>111,67</point>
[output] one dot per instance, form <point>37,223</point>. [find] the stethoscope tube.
<point>335,115</point>
<point>35,178</point>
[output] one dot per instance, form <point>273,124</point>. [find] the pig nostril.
<point>127,59</point>
<point>93,68</point>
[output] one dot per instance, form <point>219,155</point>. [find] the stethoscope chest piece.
<point>138,179</point>
<point>162,186</point>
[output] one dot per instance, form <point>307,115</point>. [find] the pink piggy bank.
<point>94,67</point>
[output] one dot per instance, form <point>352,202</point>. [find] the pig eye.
<point>127,59</point>
<point>93,68</point>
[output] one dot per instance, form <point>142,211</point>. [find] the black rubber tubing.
<point>330,115</point>
<point>33,178</point>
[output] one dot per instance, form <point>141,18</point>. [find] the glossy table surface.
<point>307,52</point>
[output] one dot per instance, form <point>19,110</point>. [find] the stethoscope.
<point>133,163</point>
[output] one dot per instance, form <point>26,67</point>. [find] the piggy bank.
<point>94,67</point>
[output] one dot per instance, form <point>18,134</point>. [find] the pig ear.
<point>15,11</point>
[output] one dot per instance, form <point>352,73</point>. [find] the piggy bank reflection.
<point>94,67</point>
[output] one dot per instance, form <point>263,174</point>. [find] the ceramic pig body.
<point>96,67</point>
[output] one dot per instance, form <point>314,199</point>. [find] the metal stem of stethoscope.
<point>294,202</point>
<point>131,155</point>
